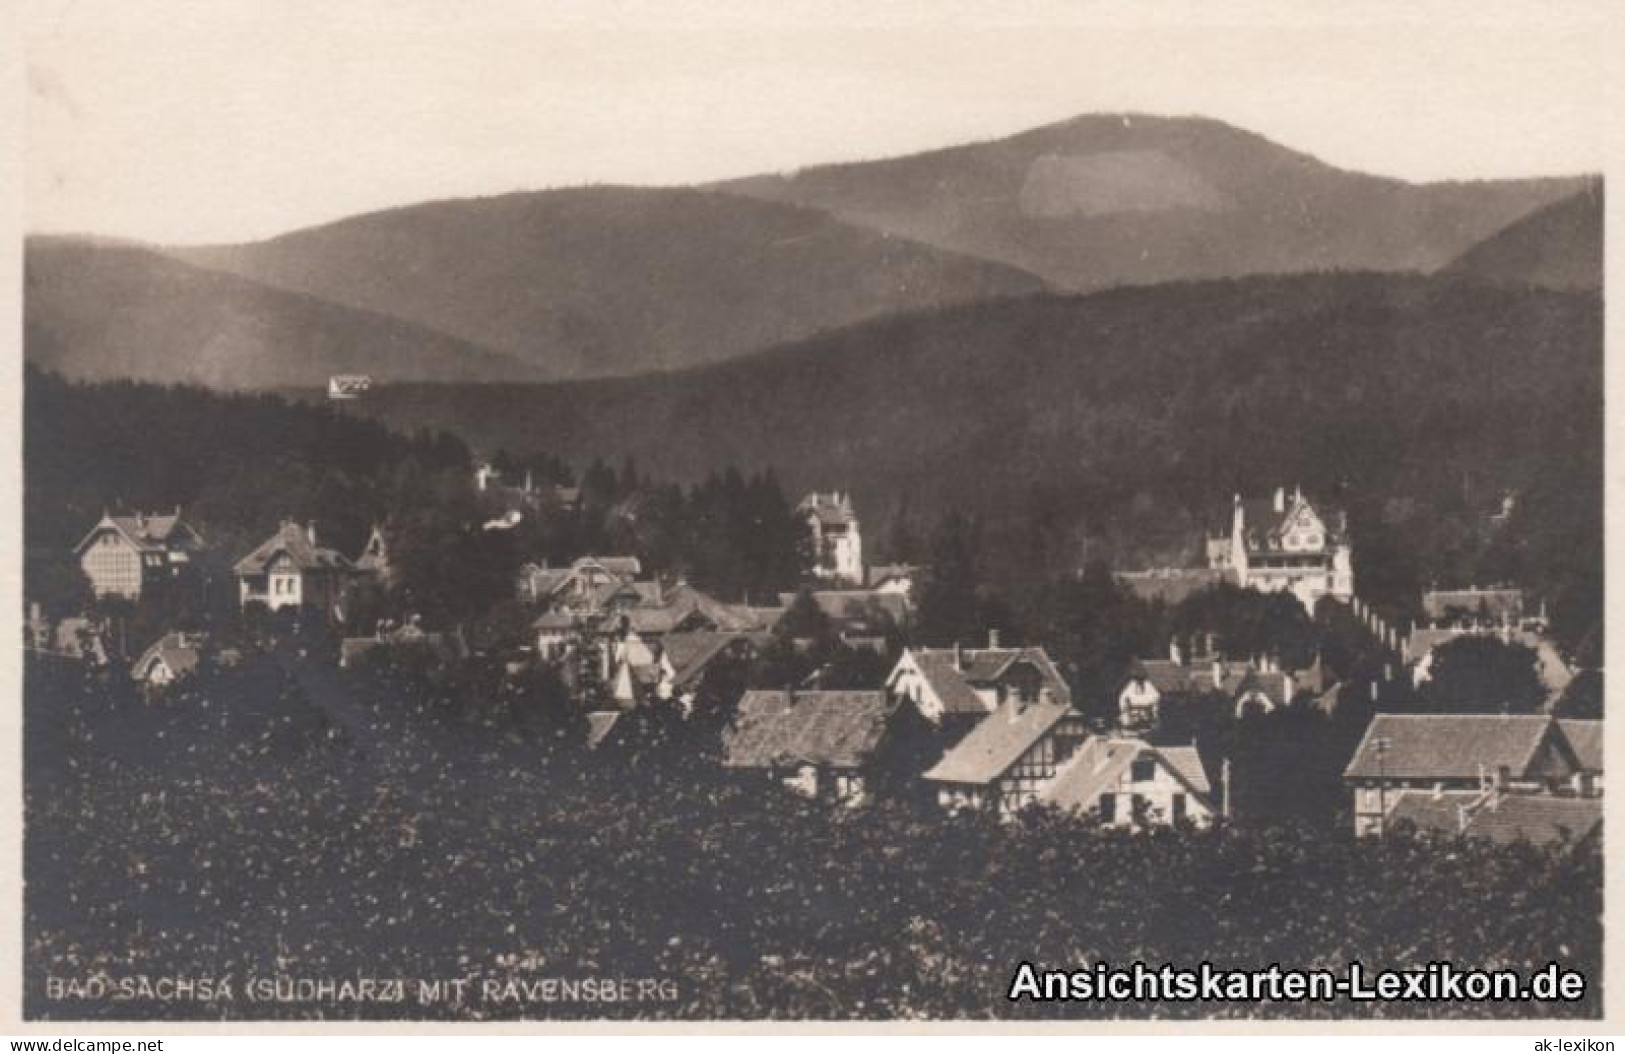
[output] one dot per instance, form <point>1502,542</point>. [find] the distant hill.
<point>1558,247</point>
<point>1111,200</point>
<point>609,281</point>
<point>98,311</point>
<point>1110,424</point>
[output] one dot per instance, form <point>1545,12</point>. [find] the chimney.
<point>1173,652</point>
<point>529,482</point>
<point>310,531</point>
<point>992,639</point>
<point>959,657</point>
<point>1280,499</point>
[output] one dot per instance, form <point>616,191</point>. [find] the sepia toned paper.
<point>745,324</point>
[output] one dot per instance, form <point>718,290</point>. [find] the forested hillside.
<point>602,281</point>
<point>1116,199</point>
<point>1559,247</point>
<point>1112,425</point>
<point>117,312</point>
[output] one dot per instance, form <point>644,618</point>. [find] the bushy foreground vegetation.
<point>280,820</point>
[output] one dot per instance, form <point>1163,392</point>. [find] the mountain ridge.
<point>97,311</point>
<point>1559,246</point>
<point>614,280</point>
<point>1272,209</point>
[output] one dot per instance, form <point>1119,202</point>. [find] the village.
<point>828,692</point>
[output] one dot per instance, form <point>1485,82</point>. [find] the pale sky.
<point>216,120</point>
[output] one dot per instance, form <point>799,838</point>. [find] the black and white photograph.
<point>542,513</point>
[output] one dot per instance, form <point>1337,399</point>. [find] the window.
<point>1108,808</point>
<point>1144,770</point>
<point>1179,809</point>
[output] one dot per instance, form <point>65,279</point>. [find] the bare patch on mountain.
<point>1118,181</point>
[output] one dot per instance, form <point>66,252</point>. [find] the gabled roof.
<point>1585,739</point>
<point>1100,763</point>
<point>885,572</point>
<point>1173,679</point>
<point>600,725</point>
<point>626,567</point>
<point>374,555</point>
<point>666,610</point>
<point>1449,746</point>
<point>555,620</point>
<point>145,532</point>
<point>1263,526</point>
<point>1540,819</point>
<point>293,540</point>
<point>998,741</point>
<point>1274,685</point>
<point>178,651</point>
<point>1186,763</point>
<point>543,581</point>
<point>781,729</point>
<point>1445,812</point>
<point>956,687</point>
<point>832,510</point>
<point>688,654</point>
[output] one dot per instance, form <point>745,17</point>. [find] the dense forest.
<point>238,465</point>
<point>1460,425</point>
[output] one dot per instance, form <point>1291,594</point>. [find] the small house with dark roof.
<point>1517,753</point>
<point>170,658</point>
<point>589,584</point>
<point>818,743</point>
<point>1127,782</point>
<point>125,555</point>
<point>686,659</point>
<point>1260,686</point>
<point>291,569</point>
<point>954,688</point>
<point>1004,762</point>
